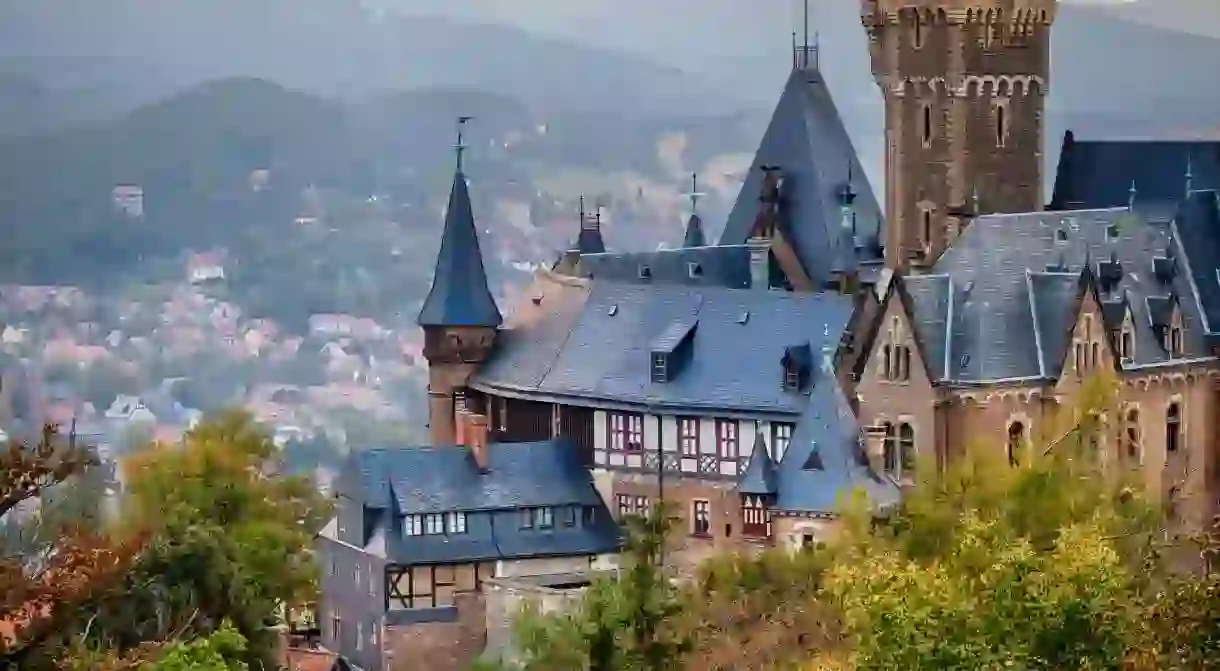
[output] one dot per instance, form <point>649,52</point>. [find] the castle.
<point>815,350</point>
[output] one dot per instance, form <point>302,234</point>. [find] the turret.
<point>459,317</point>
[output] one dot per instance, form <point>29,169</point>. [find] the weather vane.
<point>694,195</point>
<point>460,146</point>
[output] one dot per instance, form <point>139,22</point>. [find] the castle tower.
<point>459,317</point>
<point>965,85</point>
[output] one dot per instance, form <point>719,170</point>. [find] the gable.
<point>895,327</point>
<point>1090,349</point>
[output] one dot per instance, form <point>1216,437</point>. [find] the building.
<point>128,199</point>
<point>965,87</point>
<point>418,530</point>
<point>203,267</point>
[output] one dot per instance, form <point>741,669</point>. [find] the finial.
<point>1131,196</point>
<point>1190,175</point>
<point>582,208</point>
<point>460,147</point>
<point>694,195</point>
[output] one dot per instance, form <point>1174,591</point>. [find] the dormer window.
<point>645,273</point>
<point>694,270</point>
<point>797,365</point>
<point>1061,235</point>
<point>1164,268</point>
<point>660,367</point>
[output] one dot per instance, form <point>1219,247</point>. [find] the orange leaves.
<point>26,471</point>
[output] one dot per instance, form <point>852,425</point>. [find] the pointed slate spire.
<point>694,226</point>
<point>589,240</point>
<point>760,476</point>
<point>459,295</point>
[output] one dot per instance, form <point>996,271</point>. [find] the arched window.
<point>1016,443</point>
<point>905,362</point>
<point>918,32</point>
<point>906,446</point>
<point>926,115</point>
<point>891,461</point>
<point>1001,125</point>
<point>1173,428</point>
<point>1096,359</point>
<point>926,223</point>
<point>887,360</point>
<point>1131,435</point>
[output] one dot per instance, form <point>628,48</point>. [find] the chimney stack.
<point>476,440</point>
<point>760,266</point>
<point>874,448</point>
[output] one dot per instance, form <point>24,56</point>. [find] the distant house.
<point>127,408</point>
<point>204,267</point>
<point>128,199</point>
<point>419,530</point>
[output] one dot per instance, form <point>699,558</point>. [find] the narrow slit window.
<point>1001,125</point>
<point>926,114</point>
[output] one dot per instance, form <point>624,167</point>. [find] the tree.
<point>622,622</point>
<point>42,593</point>
<point>230,543</point>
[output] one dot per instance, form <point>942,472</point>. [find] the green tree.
<point>230,543</point>
<point>222,650</point>
<point>624,622</point>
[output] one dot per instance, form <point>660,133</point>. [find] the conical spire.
<point>589,240</point>
<point>760,476</point>
<point>694,226</point>
<point>459,294</point>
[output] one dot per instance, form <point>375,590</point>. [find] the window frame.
<point>688,441</point>
<point>1015,441</point>
<point>755,517</point>
<point>728,440</point>
<point>1174,434</point>
<point>781,439</point>
<point>701,518</point>
<point>625,432</point>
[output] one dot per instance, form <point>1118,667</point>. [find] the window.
<point>890,450</point>
<point>726,439</point>
<point>588,515</point>
<point>359,636</point>
<point>331,569</point>
<point>688,436</point>
<point>1016,443</point>
<point>641,506</point>
<point>917,34</point>
<point>335,629</point>
<point>1126,343</point>
<point>906,450</point>
<point>1175,341</point>
<point>1131,435</point>
<point>887,361</point>
<point>527,518</point>
<point>701,518</point>
<point>926,223</point>
<point>372,584</point>
<point>792,376</point>
<point>626,432</point>
<point>1173,428</point>
<point>624,505</point>
<point>413,525</point>
<point>1001,125</point>
<point>544,518</point>
<point>660,369</point>
<point>756,516</point>
<point>434,524</point>
<point>356,576</point>
<point>569,516</point>
<point>781,437</point>
<point>926,113</point>
<point>455,523</point>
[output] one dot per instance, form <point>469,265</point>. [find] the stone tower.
<point>965,85</point>
<point>459,317</point>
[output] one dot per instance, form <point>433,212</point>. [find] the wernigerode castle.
<point>826,343</point>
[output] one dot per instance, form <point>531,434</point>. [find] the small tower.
<point>694,226</point>
<point>965,85</point>
<point>459,317</point>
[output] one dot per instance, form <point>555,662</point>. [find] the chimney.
<point>476,439</point>
<point>874,448</point>
<point>760,267</point>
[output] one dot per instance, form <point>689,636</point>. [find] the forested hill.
<point>193,154</point>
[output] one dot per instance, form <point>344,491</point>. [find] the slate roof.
<point>1197,226</point>
<point>726,266</point>
<point>825,459</point>
<point>459,295</point>
<point>694,232</point>
<point>421,480</point>
<point>807,140</point>
<point>392,483</point>
<point>598,349</point>
<point>1000,304</point>
<point>1098,174</point>
<point>760,476</point>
